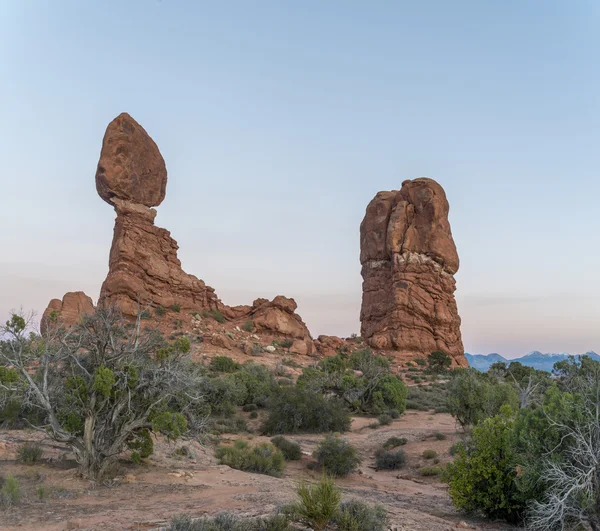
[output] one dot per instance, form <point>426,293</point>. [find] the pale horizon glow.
<point>280,121</point>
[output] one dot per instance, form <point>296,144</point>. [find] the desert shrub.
<point>229,425</point>
<point>337,456</point>
<point>248,326</point>
<point>29,453</point>
<point>482,476</point>
<point>426,398</point>
<point>215,314</point>
<point>145,315</point>
<point>390,460</point>
<point>384,420</point>
<point>263,458</point>
<point>472,397</point>
<point>224,364</point>
<point>440,436</point>
<point>224,392</point>
<point>249,407</point>
<point>317,505</point>
<point>10,493</point>
<point>159,311</point>
<point>291,450</point>
<point>438,362</point>
<point>253,415</point>
<point>358,516</point>
<point>295,410</point>
<point>284,343</point>
<point>259,382</point>
<point>453,450</point>
<point>141,445</point>
<point>394,413</point>
<point>394,442</point>
<point>230,522</point>
<point>430,471</point>
<point>429,454</point>
<point>176,308</point>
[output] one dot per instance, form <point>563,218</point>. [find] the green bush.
<point>384,420</point>
<point>337,456</point>
<point>291,450</point>
<point>390,460</point>
<point>430,471</point>
<point>29,453</point>
<point>394,442</point>
<point>482,477</point>
<point>224,393</point>
<point>159,311</point>
<point>259,382</point>
<point>253,415</point>
<point>224,364</point>
<point>439,362</point>
<point>230,522</point>
<point>248,326</point>
<point>429,454</point>
<point>394,413</point>
<point>294,411</point>
<point>263,458</point>
<point>318,503</point>
<point>176,308</point>
<point>230,425</point>
<point>249,407</point>
<point>440,436</point>
<point>358,516</point>
<point>215,314</point>
<point>10,494</point>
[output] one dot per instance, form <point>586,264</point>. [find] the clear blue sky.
<point>280,120</point>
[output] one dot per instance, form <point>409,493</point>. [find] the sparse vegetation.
<point>291,450</point>
<point>429,454</point>
<point>248,326</point>
<point>263,458</point>
<point>10,493</point>
<point>394,442</point>
<point>384,420</point>
<point>224,364</point>
<point>176,308</point>
<point>318,503</point>
<point>336,456</point>
<point>430,471</point>
<point>230,522</point>
<point>390,460</point>
<point>358,516</point>
<point>29,454</point>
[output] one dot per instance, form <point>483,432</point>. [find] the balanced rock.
<point>131,167</point>
<point>408,262</point>
<point>143,264</point>
<point>67,312</point>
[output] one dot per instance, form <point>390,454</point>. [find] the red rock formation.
<point>408,261</point>
<point>66,312</point>
<point>279,316</point>
<point>131,167</point>
<point>143,264</point>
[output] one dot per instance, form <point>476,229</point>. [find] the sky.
<point>280,120</point>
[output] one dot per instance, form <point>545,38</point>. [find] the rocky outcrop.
<point>143,264</point>
<point>67,312</point>
<point>279,316</point>
<point>408,262</point>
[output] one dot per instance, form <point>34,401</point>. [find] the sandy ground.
<point>146,497</point>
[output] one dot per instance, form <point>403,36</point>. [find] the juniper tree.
<point>102,385</point>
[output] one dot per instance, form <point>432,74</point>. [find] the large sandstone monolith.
<point>143,263</point>
<point>408,262</point>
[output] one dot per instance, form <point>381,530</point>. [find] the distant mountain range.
<point>535,359</point>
